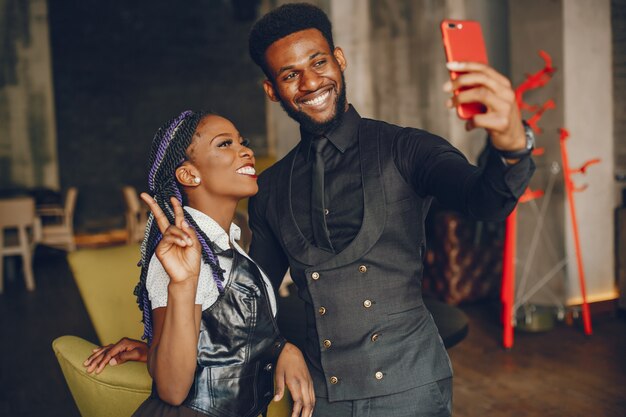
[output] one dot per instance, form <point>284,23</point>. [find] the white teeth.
<point>318,100</point>
<point>247,170</point>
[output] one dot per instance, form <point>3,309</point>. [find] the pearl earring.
<point>196,180</point>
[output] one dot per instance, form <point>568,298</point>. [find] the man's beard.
<point>309,125</point>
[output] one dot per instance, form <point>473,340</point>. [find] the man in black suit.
<point>345,209</point>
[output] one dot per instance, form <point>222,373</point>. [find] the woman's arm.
<point>173,351</point>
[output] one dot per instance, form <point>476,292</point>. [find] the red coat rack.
<point>507,294</point>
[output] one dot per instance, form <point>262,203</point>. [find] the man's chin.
<point>310,124</point>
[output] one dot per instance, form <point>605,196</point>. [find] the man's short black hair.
<point>283,21</point>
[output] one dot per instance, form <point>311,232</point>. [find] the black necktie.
<point>318,217</point>
<point>228,253</point>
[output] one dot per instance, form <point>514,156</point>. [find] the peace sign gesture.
<point>179,249</point>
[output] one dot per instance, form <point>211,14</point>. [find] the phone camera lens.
<point>451,25</point>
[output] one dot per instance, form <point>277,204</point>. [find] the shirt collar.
<point>213,230</point>
<point>342,136</point>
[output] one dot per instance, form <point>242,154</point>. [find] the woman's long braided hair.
<point>168,152</point>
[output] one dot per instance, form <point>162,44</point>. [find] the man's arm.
<point>265,248</point>
<point>434,167</point>
<point>291,369</point>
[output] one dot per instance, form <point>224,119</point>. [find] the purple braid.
<point>213,259</point>
<point>169,135</point>
<point>147,317</point>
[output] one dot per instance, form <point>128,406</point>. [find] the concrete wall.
<point>588,114</point>
<point>28,155</point>
<point>618,22</point>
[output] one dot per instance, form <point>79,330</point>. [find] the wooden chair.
<point>58,230</point>
<point>136,215</point>
<point>18,235</point>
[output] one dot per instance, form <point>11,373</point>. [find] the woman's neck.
<point>222,212</point>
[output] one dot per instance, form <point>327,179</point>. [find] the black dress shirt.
<point>429,163</point>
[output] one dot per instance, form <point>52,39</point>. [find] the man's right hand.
<point>114,354</point>
<point>291,370</point>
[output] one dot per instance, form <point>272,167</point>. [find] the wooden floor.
<point>31,382</point>
<point>558,373</point>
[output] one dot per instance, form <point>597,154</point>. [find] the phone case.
<point>463,41</point>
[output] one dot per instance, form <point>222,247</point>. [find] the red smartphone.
<point>463,41</point>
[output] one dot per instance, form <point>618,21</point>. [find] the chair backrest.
<point>70,203</point>
<point>131,199</point>
<point>16,212</point>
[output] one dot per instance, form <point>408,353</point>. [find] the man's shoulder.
<point>268,179</point>
<point>402,131</point>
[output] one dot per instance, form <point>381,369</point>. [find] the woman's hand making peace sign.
<point>179,250</point>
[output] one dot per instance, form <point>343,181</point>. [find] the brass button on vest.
<point>334,380</point>
<point>327,343</point>
<point>362,269</point>
<point>378,375</point>
<point>322,311</point>
<point>315,275</point>
<point>367,303</point>
<point>375,337</point>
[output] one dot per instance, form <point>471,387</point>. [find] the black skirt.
<point>154,407</point>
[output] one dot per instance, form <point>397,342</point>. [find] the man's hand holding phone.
<point>486,86</point>
<point>481,95</point>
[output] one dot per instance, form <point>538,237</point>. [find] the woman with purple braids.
<point>208,310</point>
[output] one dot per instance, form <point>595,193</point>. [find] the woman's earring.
<point>196,180</point>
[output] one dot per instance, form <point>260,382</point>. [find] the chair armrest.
<point>44,211</point>
<point>116,391</point>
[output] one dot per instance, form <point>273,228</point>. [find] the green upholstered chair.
<point>117,391</point>
<point>105,278</point>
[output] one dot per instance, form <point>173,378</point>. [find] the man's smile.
<point>318,99</point>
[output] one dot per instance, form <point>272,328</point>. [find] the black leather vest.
<point>238,347</point>
<point>368,332</point>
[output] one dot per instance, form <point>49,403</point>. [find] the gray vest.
<point>368,332</point>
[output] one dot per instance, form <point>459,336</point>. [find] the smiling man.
<point>345,209</point>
